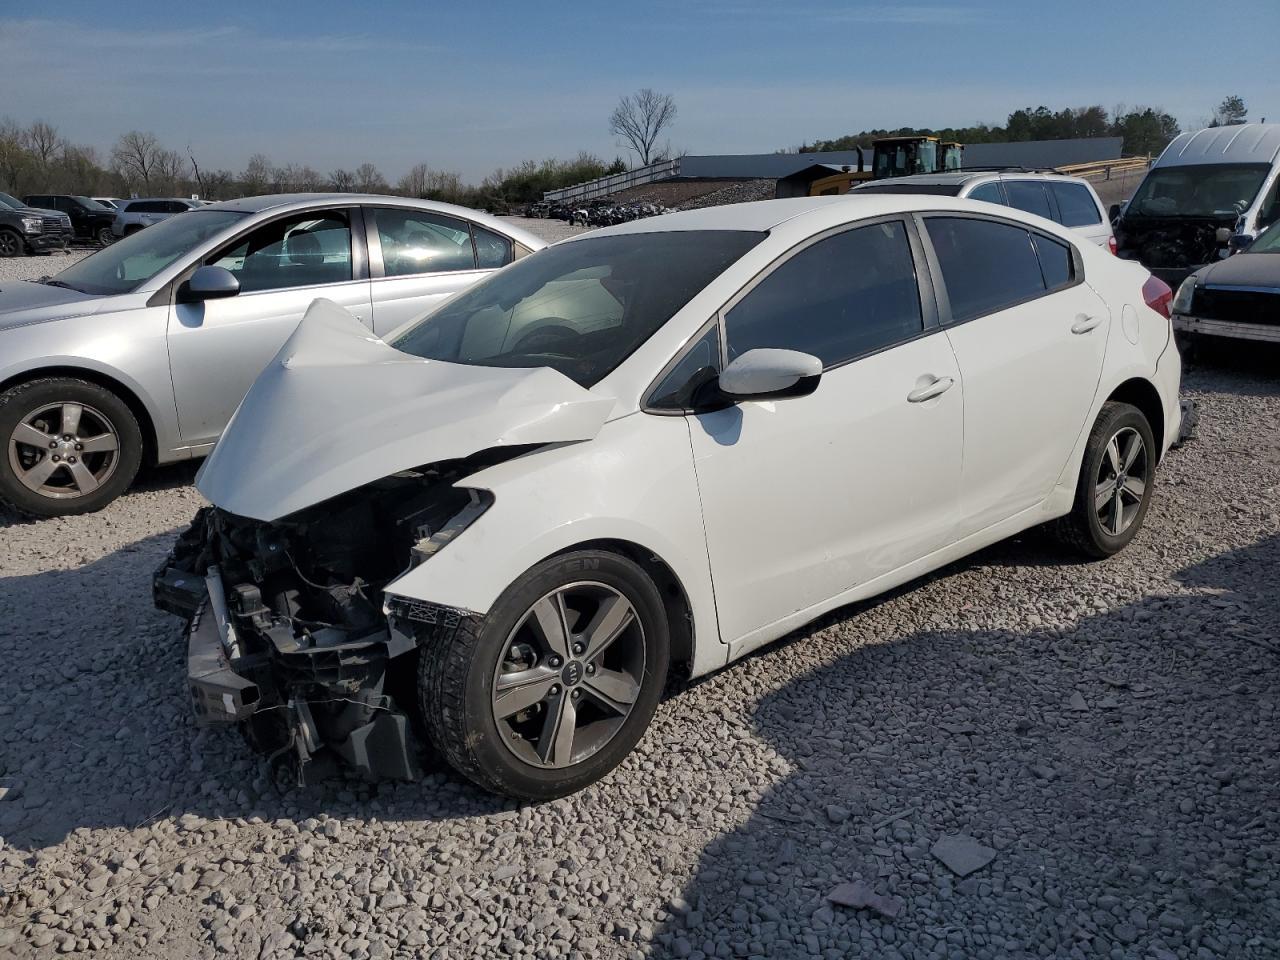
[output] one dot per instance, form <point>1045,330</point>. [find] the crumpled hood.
<point>23,302</point>
<point>338,408</point>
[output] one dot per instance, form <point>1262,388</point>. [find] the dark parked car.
<point>89,219</point>
<point>25,230</point>
<point>1238,297</point>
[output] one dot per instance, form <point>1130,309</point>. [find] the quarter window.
<point>990,192</point>
<point>492,249</point>
<point>300,251</point>
<point>415,242</point>
<point>1075,203</point>
<point>1056,263</point>
<point>986,265</point>
<point>841,298</point>
<point>1028,195</point>
<point>696,367</point>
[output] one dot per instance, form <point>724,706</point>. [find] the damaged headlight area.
<point>287,634</point>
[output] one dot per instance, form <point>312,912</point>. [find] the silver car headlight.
<point>1182,299</point>
<point>32,224</point>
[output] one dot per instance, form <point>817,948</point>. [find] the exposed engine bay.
<point>1176,246</point>
<point>287,632</point>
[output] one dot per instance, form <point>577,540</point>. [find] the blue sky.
<point>474,86</point>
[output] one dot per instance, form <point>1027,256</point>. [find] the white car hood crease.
<point>338,408</point>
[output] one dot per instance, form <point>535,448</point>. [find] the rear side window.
<point>986,266</point>
<point>1075,203</point>
<point>843,297</point>
<point>1029,195</point>
<point>990,192</point>
<point>417,242</point>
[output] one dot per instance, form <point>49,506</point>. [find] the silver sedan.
<point>143,350</point>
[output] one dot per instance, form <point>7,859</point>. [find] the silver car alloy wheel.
<point>569,675</point>
<point>64,450</point>
<point>1121,482</point>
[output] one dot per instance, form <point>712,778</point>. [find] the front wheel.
<point>1116,480</point>
<point>11,245</point>
<point>70,447</point>
<point>556,685</point>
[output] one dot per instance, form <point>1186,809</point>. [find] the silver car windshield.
<point>127,264</point>
<point>580,307</point>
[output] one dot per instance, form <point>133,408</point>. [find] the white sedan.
<point>666,442</point>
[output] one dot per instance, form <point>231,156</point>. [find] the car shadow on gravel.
<point>1123,771</point>
<point>169,476</point>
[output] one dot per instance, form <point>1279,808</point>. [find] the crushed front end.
<point>287,635</point>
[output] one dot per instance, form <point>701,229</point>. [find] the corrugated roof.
<point>1042,153</point>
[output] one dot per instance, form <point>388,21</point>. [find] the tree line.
<point>38,159</point>
<point>1145,130</point>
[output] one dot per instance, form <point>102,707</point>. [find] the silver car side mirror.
<point>209,283</point>
<point>770,374</point>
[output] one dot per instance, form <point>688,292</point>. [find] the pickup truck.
<point>28,230</point>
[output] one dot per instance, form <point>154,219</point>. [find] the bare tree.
<point>640,118</point>
<point>257,175</point>
<point>15,161</point>
<point>168,174</point>
<point>343,181</point>
<point>44,144</point>
<point>369,179</point>
<point>134,158</point>
<point>217,184</point>
<point>414,183</point>
<point>195,172</point>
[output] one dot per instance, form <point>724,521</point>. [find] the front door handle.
<point>1084,324</point>
<point>939,386</point>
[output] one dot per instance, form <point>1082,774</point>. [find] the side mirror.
<point>1113,212</point>
<point>768,374</point>
<point>209,283</point>
<point>1238,242</point>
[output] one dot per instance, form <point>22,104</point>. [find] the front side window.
<point>843,297</point>
<point>580,307</point>
<point>1211,190</point>
<point>1075,203</point>
<point>986,266</point>
<point>299,251</point>
<point>128,263</point>
<point>414,242</point>
<point>1028,195</point>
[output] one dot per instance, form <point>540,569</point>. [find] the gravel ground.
<point>1101,738</point>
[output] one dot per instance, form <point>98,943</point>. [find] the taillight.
<point>1111,243</point>
<point>1157,295</point>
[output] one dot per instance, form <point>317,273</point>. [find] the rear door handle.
<point>936,389</point>
<point>1085,324</point>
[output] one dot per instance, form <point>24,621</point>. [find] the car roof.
<point>1238,143</point>
<point>806,213</point>
<point>964,176</point>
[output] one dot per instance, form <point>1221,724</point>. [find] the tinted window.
<point>492,249</point>
<point>148,206</point>
<point>1075,203</point>
<point>580,307</point>
<point>990,192</point>
<point>1055,261</point>
<point>840,298</point>
<point>986,266</point>
<point>414,242</point>
<point>931,189</point>
<point>298,251</point>
<point>695,368</point>
<point>1028,195</point>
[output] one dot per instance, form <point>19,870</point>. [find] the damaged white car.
<point>666,442</point>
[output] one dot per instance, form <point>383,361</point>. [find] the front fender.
<point>633,482</point>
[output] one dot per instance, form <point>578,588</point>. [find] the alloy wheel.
<point>569,675</point>
<point>64,450</point>
<point>10,244</point>
<point>1121,482</point>
<point>105,236</point>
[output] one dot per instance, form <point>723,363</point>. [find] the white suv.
<point>1069,201</point>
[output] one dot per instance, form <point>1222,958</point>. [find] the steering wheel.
<point>546,338</point>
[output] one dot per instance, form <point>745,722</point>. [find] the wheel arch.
<point>1142,393</point>
<point>129,396</point>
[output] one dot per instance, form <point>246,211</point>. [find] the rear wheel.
<point>11,245</point>
<point>1116,480</point>
<point>70,447</point>
<point>556,685</point>
<point>104,235</point>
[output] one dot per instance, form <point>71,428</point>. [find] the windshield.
<point>580,307</point>
<point>10,202</point>
<point>1268,241</point>
<point>131,262</point>
<point>1214,190</point>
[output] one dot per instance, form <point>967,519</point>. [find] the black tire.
<point>19,403</point>
<point>11,244</point>
<point>104,236</point>
<point>456,679</point>
<point>1084,529</point>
